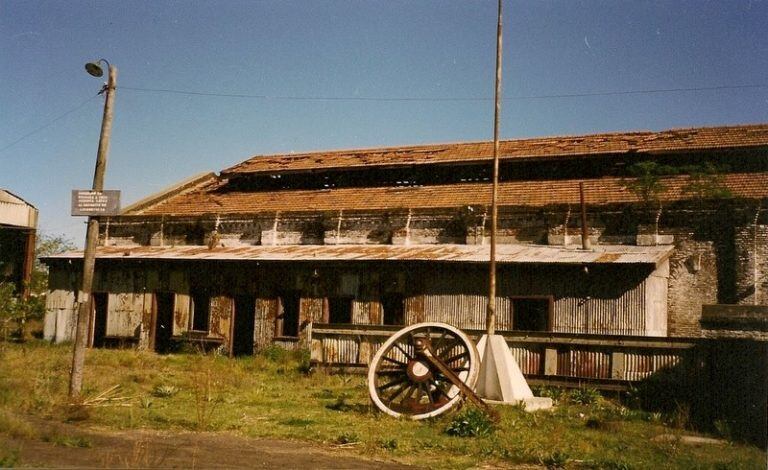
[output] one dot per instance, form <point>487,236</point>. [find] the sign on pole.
<point>95,203</point>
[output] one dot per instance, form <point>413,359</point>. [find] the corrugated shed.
<point>16,212</point>
<point>646,142</point>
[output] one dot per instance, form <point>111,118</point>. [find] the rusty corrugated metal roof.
<point>509,254</point>
<point>215,198</point>
<point>644,142</point>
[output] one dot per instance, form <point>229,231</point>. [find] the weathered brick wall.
<point>693,281</point>
<point>751,245</point>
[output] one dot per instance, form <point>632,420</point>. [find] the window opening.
<point>245,314</point>
<point>164,306</point>
<point>288,320</point>
<point>531,313</point>
<point>393,305</point>
<point>201,311</point>
<point>340,309</point>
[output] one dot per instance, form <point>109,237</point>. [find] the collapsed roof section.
<point>546,171</point>
<point>651,143</point>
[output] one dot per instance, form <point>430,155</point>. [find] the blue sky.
<point>426,50</point>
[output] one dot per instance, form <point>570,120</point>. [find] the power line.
<point>49,123</point>
<point>385,99</point>
<point>438,99</point>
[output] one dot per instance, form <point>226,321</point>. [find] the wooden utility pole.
<point>491,310</point>
<point>85,304</point>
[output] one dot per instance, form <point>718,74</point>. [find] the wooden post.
<point>550,361</point>
<point>91,239</point>
<point>27,266</point>
<point>491,310</point>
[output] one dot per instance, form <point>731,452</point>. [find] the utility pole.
<point>85,303</point>
<point>490,320</point>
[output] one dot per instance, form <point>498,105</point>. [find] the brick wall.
<point>751,245</point>
<point>693,281</point>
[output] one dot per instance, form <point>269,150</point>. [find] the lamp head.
<point>94,69</point>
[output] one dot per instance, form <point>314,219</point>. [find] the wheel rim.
<point>402,384</point>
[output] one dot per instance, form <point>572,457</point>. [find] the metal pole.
<point>491,310</point>
<point>91,239</point>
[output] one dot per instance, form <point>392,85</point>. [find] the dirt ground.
<point>100,448</point>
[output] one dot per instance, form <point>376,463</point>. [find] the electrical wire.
<point>438,99</point>
<point>383,99</point>
<point>49,123</point>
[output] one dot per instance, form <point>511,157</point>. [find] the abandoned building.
<point>18,226</point>
<point>276,246</point>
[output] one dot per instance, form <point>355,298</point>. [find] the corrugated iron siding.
<point>529,359</point>
<point>340,350</point>
<point>640,365</point>
<point>604,306</point>
<point>584,363</point>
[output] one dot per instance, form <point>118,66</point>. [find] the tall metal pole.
<point>491,310</point>
<point>91,239</point>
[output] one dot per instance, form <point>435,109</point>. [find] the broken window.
<point>340,309</point>
<point>531,313</point>
<point>393,306</point>
<point>288,319</point>
<point>201,310</point>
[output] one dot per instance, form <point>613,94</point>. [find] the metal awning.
<point>506,254</point>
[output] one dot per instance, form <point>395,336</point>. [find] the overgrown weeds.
<point>470,422</point>
<point>249,395</point>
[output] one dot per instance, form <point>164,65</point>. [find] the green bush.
<point>470,422</point>
<point>585,396</point>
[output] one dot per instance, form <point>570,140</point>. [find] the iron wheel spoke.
<point>403,351</point>
<point>392,383</point>
<point>394,361</point>
<point>399,391</point>
<point>456,357</point>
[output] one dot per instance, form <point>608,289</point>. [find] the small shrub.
<point>585,396</point>
<point>389,444</point>
<point>164,391</point>
<point>555,393</point>
<point>470,422</point>
<point>347,438</point>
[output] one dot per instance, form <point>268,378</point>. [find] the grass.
<point>271,396</point>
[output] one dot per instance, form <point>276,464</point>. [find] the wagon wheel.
<point>402,382</point>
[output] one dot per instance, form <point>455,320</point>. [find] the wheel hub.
<point>418,371</point>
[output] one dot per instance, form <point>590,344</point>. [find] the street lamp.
<point>92,234</point>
